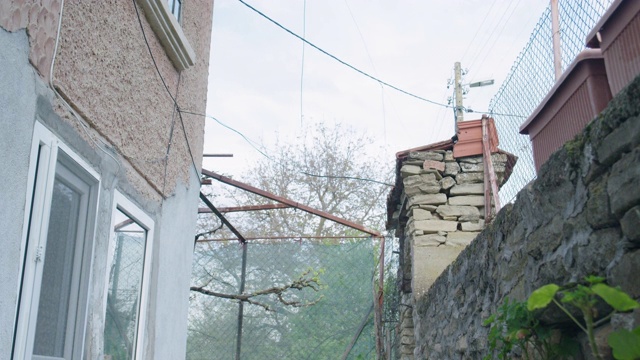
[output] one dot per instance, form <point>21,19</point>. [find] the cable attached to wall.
<point>173,99</point>
<point>73,112</point>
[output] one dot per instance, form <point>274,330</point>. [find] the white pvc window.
<point>128,283</point>
<point>57,248</point>
<point>175,6</point>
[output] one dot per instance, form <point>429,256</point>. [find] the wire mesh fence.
<point>333,320</point>
<point>532,76</point>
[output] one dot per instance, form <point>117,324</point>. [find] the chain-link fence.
<point>334,322</point>
<point>532,76</point>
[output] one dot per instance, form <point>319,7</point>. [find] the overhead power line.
<point>251,142</point>
<point>342,61</point>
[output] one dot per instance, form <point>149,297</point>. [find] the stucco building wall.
<point>123,127</point>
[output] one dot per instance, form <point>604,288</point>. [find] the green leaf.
<point>489,320</point>
<point>617,299</point>
<point>592,279</point>
<point>625,344</point>
<point>542,297</point>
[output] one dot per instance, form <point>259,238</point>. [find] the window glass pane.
<point>56,289</point>
<point>174,7</point>
<point>125,283</point>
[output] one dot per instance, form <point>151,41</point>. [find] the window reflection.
<point>57,285</point>
<point>125,283</point>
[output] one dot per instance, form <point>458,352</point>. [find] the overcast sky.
<point>255,68</point>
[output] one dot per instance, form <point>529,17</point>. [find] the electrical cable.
<point>477,31</point>
<point>304,32</point>
<point>490,37</point>
<point>175,103</point>
<point>375,71</point>
<point>500,33</point>
<point>342,61</point>
<point>76,116</point>
<point>250,142</point>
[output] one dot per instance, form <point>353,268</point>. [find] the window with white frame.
<point>57,250</point>
<point>127,286</point>
<point>175,6</point>
<point>165,17</point>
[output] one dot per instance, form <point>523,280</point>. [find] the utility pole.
<point>555,29</point>
<point>458,88</point>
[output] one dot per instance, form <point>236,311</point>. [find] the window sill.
<point>169,32</point>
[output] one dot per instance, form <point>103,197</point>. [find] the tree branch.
<point>302,282</point>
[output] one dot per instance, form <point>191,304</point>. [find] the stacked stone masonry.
<point>579,217</point>
<point>441,211</point>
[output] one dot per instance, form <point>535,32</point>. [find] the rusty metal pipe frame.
<point>206,210</point>
<point>223,219</point>
<point>289,202</point>
<point>286,238</point>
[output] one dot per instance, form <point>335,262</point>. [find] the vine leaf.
<point>617,299</point>
<point>625,344</point>
<point>542,297</point>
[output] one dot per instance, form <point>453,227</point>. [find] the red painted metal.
<point>576,98</point>
<point>244,208</point>
<point>287,238</point>
<point>490,180</point>
<point>470,138</point>
<point>289,202</point>
<point>617,34</point>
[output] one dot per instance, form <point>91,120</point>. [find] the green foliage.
<point>542,297</point>
<point>585,297</point>
<point>625,344</point>
<point>616,298</point>
<point>513,327</point>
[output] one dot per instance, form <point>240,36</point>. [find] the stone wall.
<point>441,210</point>
<point>579,217</point>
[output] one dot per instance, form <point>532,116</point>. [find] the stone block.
<point>448,156</point>
<point>447,182</point>
<point>432,164</point>
<point>625,274</point>
<point>467,189</point>
<point>449,210</point>
<point>460,238</point>
<point>473,200</point>
<point>624,183</point>
<point>597,208</point>
<point>407,331</point>
<point>433,226</point>
<point>472,226</point>
<point>630,224</point>
<point>409,170</point>
<point>421,214</point>
<point>416,180</point>
<point>429,199</point>
<point>451,168</point>
<point>619,141</point>
<point>470,218</point>
<point>428,263</point>
<point>499,158</point>
<point>428,207</point>
<point>432,171</point>
<point>429,240</point>
<point>469,178</point>
<point>472,167</point>
<point>471,159</point>
<point>426,155</point>
<point>429,189</point>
